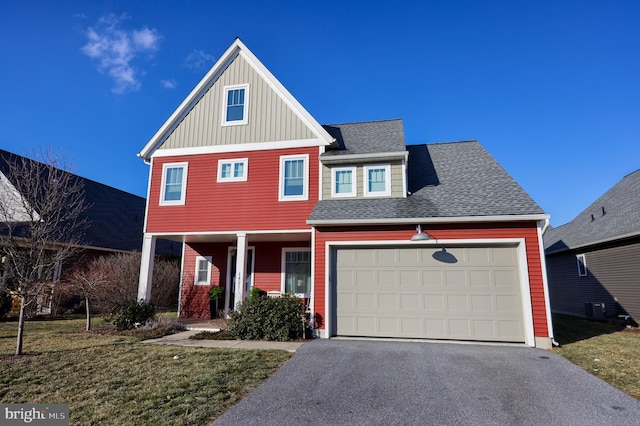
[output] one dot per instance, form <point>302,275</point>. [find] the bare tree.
<point>41,223</point>
<point>90,281</point>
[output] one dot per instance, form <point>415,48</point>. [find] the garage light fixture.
<point>420,236</point>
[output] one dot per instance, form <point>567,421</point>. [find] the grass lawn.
<point>608,351</point>
<point>114,379</point>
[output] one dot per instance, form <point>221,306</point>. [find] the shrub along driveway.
<point>374,382</point>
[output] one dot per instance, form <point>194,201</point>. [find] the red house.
<point>386,240</point>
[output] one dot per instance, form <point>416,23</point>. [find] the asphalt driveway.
<point>347,382</point>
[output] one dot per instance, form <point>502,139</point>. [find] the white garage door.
<point>466,293</point>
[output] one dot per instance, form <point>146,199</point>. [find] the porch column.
<point>241,267</point>
<point>146,267</point>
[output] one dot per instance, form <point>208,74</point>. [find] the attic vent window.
<point>236,99</point>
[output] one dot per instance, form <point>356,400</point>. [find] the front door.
<point>231,284</point>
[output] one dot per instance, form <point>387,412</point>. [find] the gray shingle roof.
<point>367,137</point>
<point>615,214</point>
<point>115,217</point>
<point>458,179</point>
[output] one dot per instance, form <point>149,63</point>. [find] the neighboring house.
<point>262,195</point>
<point>115,219</point>
<point>593,262</point>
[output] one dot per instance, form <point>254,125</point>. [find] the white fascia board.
<point>331,159</point>
<point>229,232</point>
<point>236,48</point>
<point>189,102</point>
<point>292,102</point>
<point>424,220</point>
<point>256,146</point>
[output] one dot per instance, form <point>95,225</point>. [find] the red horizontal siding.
<point>528,231</point>
<point>223,206</point>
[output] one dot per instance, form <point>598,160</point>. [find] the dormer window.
<point>236,99</point>
<point>377,180</point>
<point>343,183</point>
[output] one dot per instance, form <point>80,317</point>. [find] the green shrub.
<point>256,292</point>
<point>131,314</point>
<point>267,318</point>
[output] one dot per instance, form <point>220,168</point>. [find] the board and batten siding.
<point>270,119</point>
<point>613,273</point>
<point>525,230</point>
<point>231,206</point>
<point>397,179</point>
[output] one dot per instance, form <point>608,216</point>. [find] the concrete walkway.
<point>182,339</point>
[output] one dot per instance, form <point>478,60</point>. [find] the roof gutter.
<point>424,220</point>
<point>330,159</point>
<point>595,243</point>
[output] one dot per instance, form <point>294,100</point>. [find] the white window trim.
<point>245,111</point>
<point>305,184</point>
<point>233,162</point>
<point>283,270</point>
<point>583,259</point>
<point>183,189</point>
<point>354,182</point>
<point>195,279</point>
<point>387,181</point>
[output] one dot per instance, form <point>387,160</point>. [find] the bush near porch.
<point>268,318</point>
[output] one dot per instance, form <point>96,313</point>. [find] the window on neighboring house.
<point>582,265</point>
<point>174,183</point>
<point>296,271</point>
<point>294,176</point>
<point>235,104</point>
<point>377,180</point>
<point>203,270</point>
<point>233,170</point>
<point>343,182</point>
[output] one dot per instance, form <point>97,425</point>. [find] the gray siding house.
<point>593,262</point>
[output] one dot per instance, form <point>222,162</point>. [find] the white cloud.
<point>115,48</point>
<point>169,84</point>
<point>198,60</point>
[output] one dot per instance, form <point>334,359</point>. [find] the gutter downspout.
<point>543,225</point>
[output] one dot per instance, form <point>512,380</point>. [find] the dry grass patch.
<point>113,379</point>
<point>607,351</point>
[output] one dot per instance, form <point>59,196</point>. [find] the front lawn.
<point>114,379</point>
<point>609,351</point>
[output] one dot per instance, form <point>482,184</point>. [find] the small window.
<point>343,182</point>
<point>377,180</point>
<point>234,170</point>
<point>294,176</point>
<point>582,265</point>
<point>236,99</point>
<point>296,271</point>
<point>174,184</point>
<point>203,270</point>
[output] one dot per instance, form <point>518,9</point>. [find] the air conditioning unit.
<point>594,311</point>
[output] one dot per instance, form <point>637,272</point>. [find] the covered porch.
<point>274,261</point>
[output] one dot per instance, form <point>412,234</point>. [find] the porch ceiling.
<point>255,236</point>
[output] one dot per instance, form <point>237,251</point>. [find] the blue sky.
<point>549,88</point>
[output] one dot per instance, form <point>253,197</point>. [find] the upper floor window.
<point>294,177</point>
<point>174,184</point>
<point>203,270</point>
<point>343,182</point>
<point>377,180</point>
<point>233,170</point>
<point>582,265</point>
<point>236,99</point>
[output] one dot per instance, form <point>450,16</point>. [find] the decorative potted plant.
<point>215,295</point>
